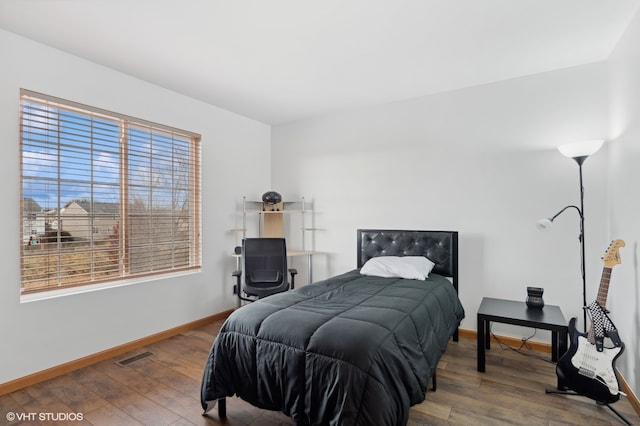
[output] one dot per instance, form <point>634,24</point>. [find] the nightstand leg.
<point>554,346</point>
<point>487,334</point>
<point>481,343</point>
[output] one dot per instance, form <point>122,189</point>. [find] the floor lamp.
<point>579,151</point>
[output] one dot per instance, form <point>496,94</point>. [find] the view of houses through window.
<point>104,196</point>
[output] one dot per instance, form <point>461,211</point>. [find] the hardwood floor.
<point>164,389</point>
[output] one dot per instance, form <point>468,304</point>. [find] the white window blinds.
<point>104,196</point>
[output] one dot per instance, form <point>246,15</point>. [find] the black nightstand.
<point>517,313</point>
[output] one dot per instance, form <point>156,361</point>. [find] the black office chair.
<point>264,269</point>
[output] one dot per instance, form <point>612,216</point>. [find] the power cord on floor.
<point>519,349</point>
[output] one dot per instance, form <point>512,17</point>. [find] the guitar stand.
<point>570,392</point>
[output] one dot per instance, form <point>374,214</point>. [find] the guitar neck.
<point>603,292</point>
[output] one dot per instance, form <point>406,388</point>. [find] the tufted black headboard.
<point>441,247</point>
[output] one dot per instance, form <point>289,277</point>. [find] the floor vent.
<point>132,359</point>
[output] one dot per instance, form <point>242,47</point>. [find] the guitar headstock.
<point>612,255</point>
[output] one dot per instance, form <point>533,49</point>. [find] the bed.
<point>350,350</point>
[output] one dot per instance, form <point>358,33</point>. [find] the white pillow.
<point>410,267</point>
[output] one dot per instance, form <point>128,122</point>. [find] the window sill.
<point>52,294</point>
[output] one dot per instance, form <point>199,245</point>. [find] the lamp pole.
<point>580,160</point>
<point>579,151</point>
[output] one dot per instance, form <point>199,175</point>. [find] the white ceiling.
<point>279,61</point>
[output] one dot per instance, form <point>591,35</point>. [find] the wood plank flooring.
<point>164,389</point>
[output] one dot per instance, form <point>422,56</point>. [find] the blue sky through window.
<point>68,155</point>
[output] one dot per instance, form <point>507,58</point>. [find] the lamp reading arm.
<point>544,224</point>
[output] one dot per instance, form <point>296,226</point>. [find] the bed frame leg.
<point>433,381</point>
<point>222,408</point>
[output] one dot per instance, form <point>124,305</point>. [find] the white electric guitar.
<point>588,366</point>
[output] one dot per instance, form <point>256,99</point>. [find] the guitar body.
<point>587,371</point>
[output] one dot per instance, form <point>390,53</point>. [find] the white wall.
<point>482,161</point>
<point>38,335</point>
<point>624,215</point>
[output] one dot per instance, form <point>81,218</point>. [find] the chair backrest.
<point>264,266</point>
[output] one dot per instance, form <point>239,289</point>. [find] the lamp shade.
<point>580,149</point>
<point>543,224</point>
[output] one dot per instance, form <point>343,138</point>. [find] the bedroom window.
<point>104,196</point>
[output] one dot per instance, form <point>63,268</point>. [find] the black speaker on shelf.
<point>534,297</point>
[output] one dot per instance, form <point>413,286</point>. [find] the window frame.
<point>182,149</point>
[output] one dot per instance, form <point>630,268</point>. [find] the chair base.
<point>237,288</point>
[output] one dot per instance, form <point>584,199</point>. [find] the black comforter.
<point>350,350</point>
